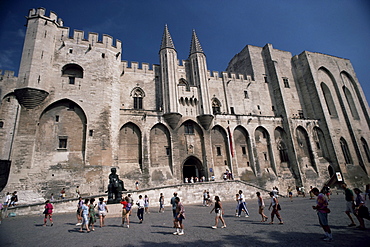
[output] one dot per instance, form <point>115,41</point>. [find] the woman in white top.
<point>102,211</point>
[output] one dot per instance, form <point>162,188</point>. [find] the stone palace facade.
<point>272,119</point>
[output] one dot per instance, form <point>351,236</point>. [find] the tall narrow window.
<point>246,95</point>
<point>366,149</point>
<point>218,150</point>
<point>286,82</point>
<point>345,151</point>
<point>244,150</point>
<point>138,96</point>
<point>216,106</point>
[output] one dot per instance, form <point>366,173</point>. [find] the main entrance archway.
<point>192,167</point>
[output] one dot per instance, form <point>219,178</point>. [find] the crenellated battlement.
<point>106,41</point>
<point>139,67</point>
<point>6,74</point>
<point>215,75</point>
<point>40,12</point>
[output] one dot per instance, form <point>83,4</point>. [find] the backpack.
<point>128,207</point>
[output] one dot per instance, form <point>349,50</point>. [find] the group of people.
<point>194,179</point>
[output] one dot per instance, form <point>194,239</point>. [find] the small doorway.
<point>331,171</point>
<point>192,168</point>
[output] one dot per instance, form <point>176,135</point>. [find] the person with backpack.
<point>126,209</point>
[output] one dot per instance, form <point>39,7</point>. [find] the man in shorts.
<point>180,216</point>
<point>322,213</point>
<point>349,196</point>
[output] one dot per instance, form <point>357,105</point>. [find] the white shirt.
<point>241,198</point>
<point>140,203</point>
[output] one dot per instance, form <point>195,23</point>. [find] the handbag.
<point>278,207</point>
<point>326,210</point>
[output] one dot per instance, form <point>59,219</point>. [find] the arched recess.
<point>365,149</point>
<point>130,146</point>
<point>192,167</point>
<point>320,142</point>
<point>216,106</point>
<point>351,103</point>
<point>62,129</point>
<point>72,70</point>
<point>347,77</point>
<point>329,100</point>
<point>242,148</point>
<point>264,157</point>
<point>220,151</point>
<point>345,151</point>
<point>304,149</point>
<point>281,144</point>
<point>161,152</point>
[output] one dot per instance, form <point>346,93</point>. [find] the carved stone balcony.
<point>172,118</point>
<point>205,120</point>
<point>30,97</point>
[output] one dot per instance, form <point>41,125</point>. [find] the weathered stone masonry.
<point>76,110</point>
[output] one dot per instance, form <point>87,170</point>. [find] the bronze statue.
<point>115,187</point>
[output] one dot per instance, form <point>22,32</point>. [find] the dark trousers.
<point>140,213</point>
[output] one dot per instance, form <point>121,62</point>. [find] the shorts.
<point>349,206</point>
<point>260,209</point>
<point>323,218</point>
<point>219,213</point>
<point>102,213</point>
<point>85,218</point>
<point>124,213</point>
<point>179,219</point>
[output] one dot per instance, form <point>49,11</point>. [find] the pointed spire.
<point>195,44</point>
<point>166,39</point>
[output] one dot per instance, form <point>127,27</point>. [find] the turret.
<point>168,63</point>
<point>198,68</point>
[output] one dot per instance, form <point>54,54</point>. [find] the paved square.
<point>300,228</point>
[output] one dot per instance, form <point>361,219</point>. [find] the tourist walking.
<point>126,209</point>
<point>350,203</point>
<point>102,211</point>
<point>92,214</point>
<point>174,205</point>
<point>322,213</point>
<point>219,213</point>
<point>78,213</point>
<point>140,209</point>
<point>180,216</point>
<point>242,204</point>
<point>261,207</point>
<point>48,212</point>
<point>84,214</point>
<point>131,201</point>
<point>275,209</point>
<point>161,203</point>
<point>146,204</point>
<point>361,211</point>
<point>205,198</point>
<point>290,193</point>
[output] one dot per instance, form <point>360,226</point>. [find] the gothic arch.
<point>329,100</point>
<point>220,150</point>
<point>351,103</point>
<point>304,149</point>
<point>130,146</point>
<point>365,149</point>
<point>281,144</point>
<point>364,106</point>
<point>72,70</point>
<point>345,151</point>
<point>138,95</point>
<point>161,150</point>
<point>321,146</point>
<point>264,157</point>
<point>62,128</point>
<point>216,106</point>
<point>192,167</point>
<point>242,147</point>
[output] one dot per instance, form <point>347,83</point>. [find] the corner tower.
<point>168,63</point>
<point>198,68</point>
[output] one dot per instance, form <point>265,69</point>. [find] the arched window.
<point>366,149</point>
<point>345,151</point>
<point>183,82</point>
<point>216,106</point>
<point>283,152</point>
<point>138,95</point>
<point>351,103</point>
<point>72,71</point>
<point>329,100</point>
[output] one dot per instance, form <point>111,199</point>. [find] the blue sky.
<point>335,27</point>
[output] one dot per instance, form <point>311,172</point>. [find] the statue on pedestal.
<point>115,187</point>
